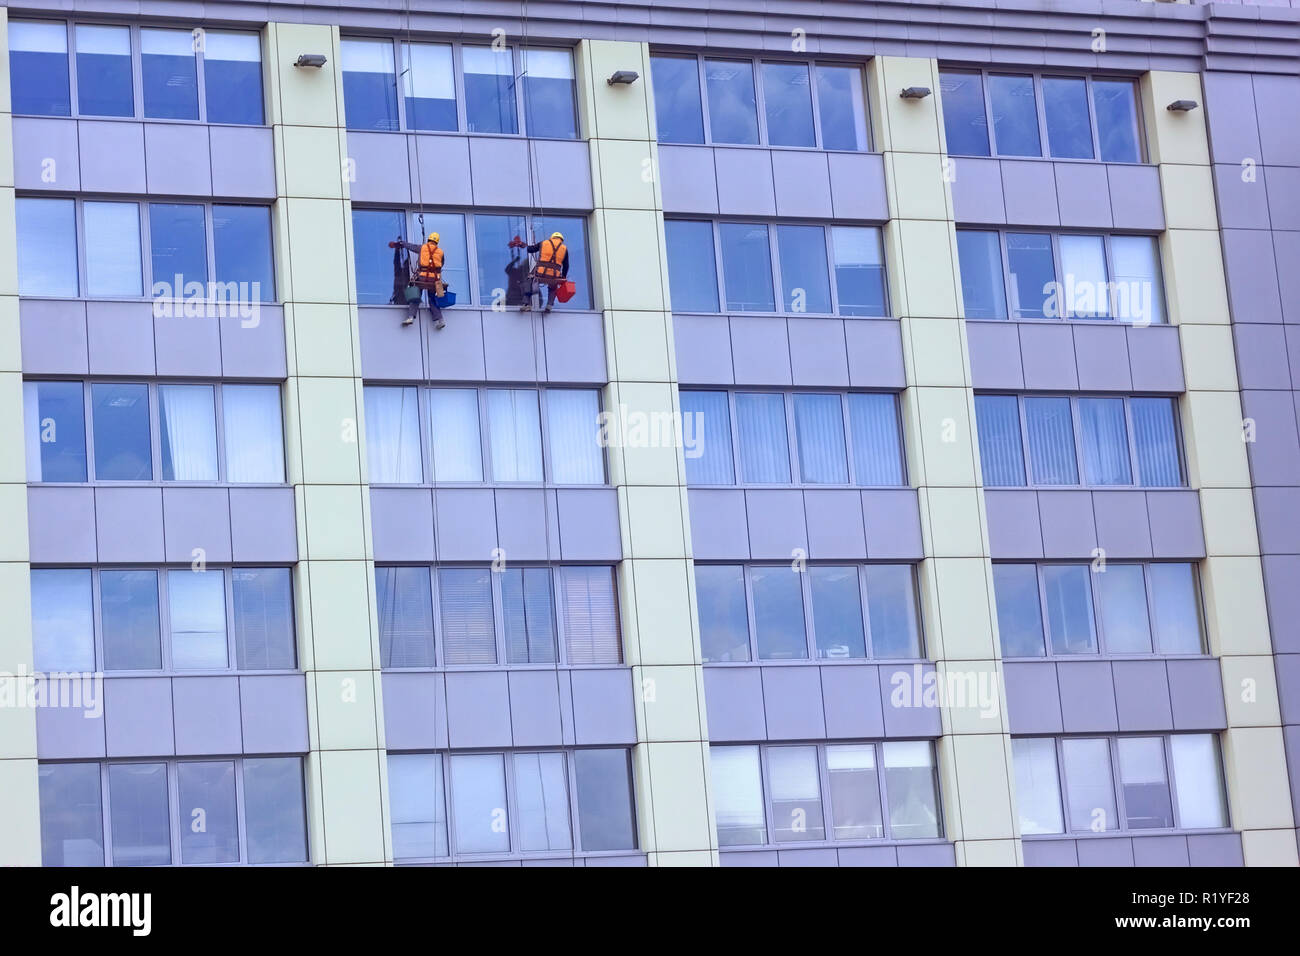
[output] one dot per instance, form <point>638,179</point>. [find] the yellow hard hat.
<point>558,235</point>
<point>434,237</point>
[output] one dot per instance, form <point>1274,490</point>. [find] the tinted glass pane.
<point>112,248</point>
<point>806,287</point>
<point>514,434</point>
<point>796,794</point>
<point>1033,276</point>
<point>1002,459</point>
<point>38,68</point>
<point>457,451</point>
<point>724,618</point>
<point>1069,608</point>
<point>1146,785</point>
<point>196,603</point>
<point>429,86</point>
<point>591,634</point>
<point>478,800</point>
<point>1115,105</point>
<point>1051,441</point>
<point>1091,797</point>
<point>787,100</point>
<point>1138,295</point>
<point>1069,130</point>
<point>855,793</point>
<point>180,249</point>
<point>542,796</point>
<point>170,74</point>
<point>254,433</point>
<point>764,449</point>
<point>393,435</point>
<point>502,270</point>
<point>983,288</point>
<point>706,437</point>
<point>490,90</point>
<point>1176,608</point>
<point>417,802</point>
<point>232,77</point>
<point>964,125</point>
<point>72,821</point>
<point>129,618</point>
<point>121,424</point>
<point>877,451</point>
<point>528,615</point>
<point>1105,441</point>
<point>746,267</point>
<point>678,115</point>
<point>911,790</point>
<point>692,268</point>
<point>574,231</point>
<point>275,811</point>
<point>819,433</point>
<point>778,613</point>
<point>376,271</point>
<point>188,429</point>
<point>1121,589</point>
<point>369,84</point>
<point>842,107</point>
<point>103,71</point>
<point>736,778</point>
<point>1038,786</point>
<point>209,821</point>
<point>1156,436</point>
<point>405,617</point>
<point>859,270</point>
<point>450,227</point>
<point>47,247</point>
<point>604,790</point>
<point>1086,294</point>
<point>733,115</point>
<point>55,431</point>
<point>1020,618</point>
<point>1015,116</point>
<point>263,612</point>
<point>837,612</point>
<point>1198,775</point>
<point>891,608</point>
<point>241,239</point>
<point>139,817</point>
<point>573,436</point>
<point>549,107</point>
<point>468,630</point>
<point>63,633</point>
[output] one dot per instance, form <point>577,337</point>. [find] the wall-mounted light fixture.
<point>623,77</point>
<point>310,59</point>
<point>915,93</point>
<point>1182,106</point>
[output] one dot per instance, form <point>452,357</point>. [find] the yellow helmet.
<point>434,237</point>
<point>558,235</point>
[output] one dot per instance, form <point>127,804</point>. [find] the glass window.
<point>1020,618</point>
<point>254,433</point>
<point>1015,115</point>
<point>736,778</point>
<point>854,792</point>
<point>573,436</point>
<point>1088,784</point>
<point>796,794</point>
<point>764,448</point>
<point>490,90</point>
<point>232,77</point>
<point>1122,593</point>
<point>591,634</point>
<point>55,431</point>
<point>837,612</point>
<point>492,235</point>
<point>859,270</point>
<point>1138,294</point>
<point>103,71</point>
<point>47,246</point>
<point>778,613</point>
<point>983,290</point>
<point>1105,441</point>
<point>196,601</point>
<point>787,100</point>
<point>128,611</point>
<point>393,435</point>
<point>891,608</point>
<point>877,450</point>
<point>241,242</point>
<point>1033,275</point>
<point>275,810</point>
<point>1038,786</point>
<point>1155,435</point>
<point>121,417</point>
<point>1176,608</point>
<point>911,790</point>
<point>372,230</point>
<point>604,793</point>
<point>842,107</point>
<point>574,230</point>
<point>549,106</point>
<point>819,433</point>
<point>478,801</point>
<point>1068,595</point>
<point>38,68</point>
<point>1069,129</point>
<point>692,267</point>
<point>1002,460</point>
<point>514,434</point>
<point>746,267</point>
<point>405,617</point>
<point>678,116</point>
<point>209,821</point>
<point>1115,104</point>
<point>139,814</point>
<point>528,615</point>
<point>964,125</point>
<point>1146,785</point>
<point>724,617</point>
<point>1199,776</point>
<point>263,619</point>
<point>417,803</point>
<point>169,70</point>
<point>179,243</point>
<point>450,227</point>
<point>188,426</point>
<point>1051,441</point>
<point>457,451</point>
<point>369,84</point>
<point>429,86</point>
<point>468,629</point>
<point>806,287</point>
<point>542,796</point>
<point>112,243</point>
<point>706,431</point>
<point>63,629</point>
<point>733,111</point>
<point>72,821</point>
<point>1085,293</point>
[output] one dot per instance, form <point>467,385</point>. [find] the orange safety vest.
<point>430,262</point>
<point>551,260</point>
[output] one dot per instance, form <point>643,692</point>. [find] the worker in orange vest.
<point>551,270</point>
<point>427,282</point>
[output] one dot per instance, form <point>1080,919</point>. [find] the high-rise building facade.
<point>910,479</point>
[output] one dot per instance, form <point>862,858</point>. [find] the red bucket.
<point>566,290</point>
